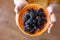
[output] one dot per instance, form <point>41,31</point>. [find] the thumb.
<point>20,5</point>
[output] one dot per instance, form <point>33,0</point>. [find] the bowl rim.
<point>19,14</point>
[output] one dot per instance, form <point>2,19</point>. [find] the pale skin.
<point>19,4</point>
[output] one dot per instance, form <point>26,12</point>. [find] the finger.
<point>49,9</point>
<point>49,29</point>
<point>53,18</point>
<point>16,9</point>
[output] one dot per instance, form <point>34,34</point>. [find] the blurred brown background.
<point>9,30</point>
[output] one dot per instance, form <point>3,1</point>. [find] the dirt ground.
<point>9,30</point>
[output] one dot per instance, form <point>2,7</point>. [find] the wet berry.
<point>32,31</point>
<point>40,10</point>
<point>30,10</point>
<point>38,29</point>
<point>32,15</point>
<point>26,28</point>
<point>26,17</point>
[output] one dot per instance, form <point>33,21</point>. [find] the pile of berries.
<point>34,20</point>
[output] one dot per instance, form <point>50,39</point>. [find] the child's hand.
<point>21,3</point>
<point>52,17</point>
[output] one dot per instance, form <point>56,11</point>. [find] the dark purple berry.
<point>34,21</point>
<point>32,31</point>
<point>40,10</point>
<point>30,10</point>
<point>38,29</point>
<point>26,17</point>
<point>32,15</point>
<point>35,27</point>
<point>26,29</point>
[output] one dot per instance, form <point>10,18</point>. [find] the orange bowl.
<point>19,19</point>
